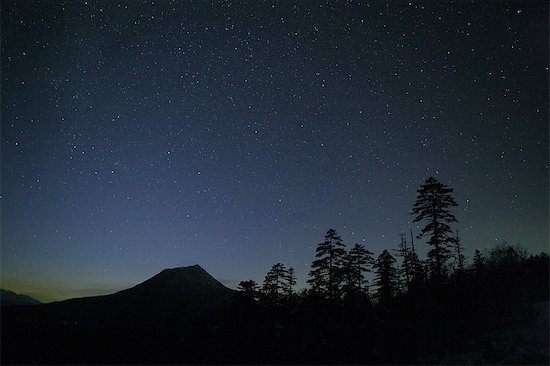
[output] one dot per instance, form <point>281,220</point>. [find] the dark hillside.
<point>9,298</point>
<point>185,292</point>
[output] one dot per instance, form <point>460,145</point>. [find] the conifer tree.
<point>356,262</point>
<point>249,288</point>
<point>479,262</point>
<point>386,277</point>
<point>290,281</point>
<point>432,206</point>
<point>411,268</point>
<point>275,283</point>
<point>326,270</point>
<point>403,251</point>
<point>249,293</point>
<point>415,263</point>
<point>458,253</point>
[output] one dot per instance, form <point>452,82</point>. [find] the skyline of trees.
<point>390,280</point>
<point>392,307</point>
<point>337,273</point>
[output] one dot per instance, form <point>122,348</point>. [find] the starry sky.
<point>143,135</point>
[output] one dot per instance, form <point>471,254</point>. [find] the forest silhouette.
<point>443,309</point>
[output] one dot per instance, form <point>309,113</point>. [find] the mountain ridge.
<point>190,290</point>
<point>8,297</point>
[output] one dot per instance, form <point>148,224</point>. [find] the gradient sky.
<point>141,135</point>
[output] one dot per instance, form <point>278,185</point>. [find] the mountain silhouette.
<point>189,291</point>
<point>11,298</point>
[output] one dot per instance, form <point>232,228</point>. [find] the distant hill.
<point>188,291</point>
<point>11,298</point>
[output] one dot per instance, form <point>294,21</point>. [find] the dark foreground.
<point>31,338</point>
<point>498,318</point>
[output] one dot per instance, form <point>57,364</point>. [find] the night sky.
<point>138,136</point>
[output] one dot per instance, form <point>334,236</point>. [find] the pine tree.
<point>249,287</point>
<point>479,262</point>
<point>290,282</point>
<point>411,268</point>
<point>386,277</point>
<point>356,262</point>
<point>275,283</point>
<point>404,251</point>
<point>458,253</point>
<point>326,270</point>
<point>432,206</point>
<point>415,264</point>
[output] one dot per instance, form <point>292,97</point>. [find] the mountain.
<point>11,298</point>
<point>187,291</point>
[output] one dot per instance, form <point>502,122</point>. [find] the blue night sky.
<point>141,135</point>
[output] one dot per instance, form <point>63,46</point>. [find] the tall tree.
<point>412,241</point>
<point>479,262</point>
<point>411,267</point>
<point>414,264</point>
<point>403,251</point>
<point>326,270</point>
<point>386,277</point>
<point>290,281</point>
<point>356,262</point>
<point>275,283</point>
<point>432,206</point>
<point>458,253</point>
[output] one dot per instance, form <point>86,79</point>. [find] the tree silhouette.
<point>478,266</point>
<point>481,317</point>
<point>386,277</point>
<point>432,206</point>
<point>290,281</point>
<point>356,262</point>
<point>249,288</point>
<point>458,253</point>
<point>415,264</point>
<point>326,273</point>
<point>411,267</point>
<point>505,256</point>
<point>403,251</point>
<point>275,283</point>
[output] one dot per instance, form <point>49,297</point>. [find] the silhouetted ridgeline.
<point>444,309</point>
<point>190,291</point>
<point>11,298</point>
<point>497,313</point>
